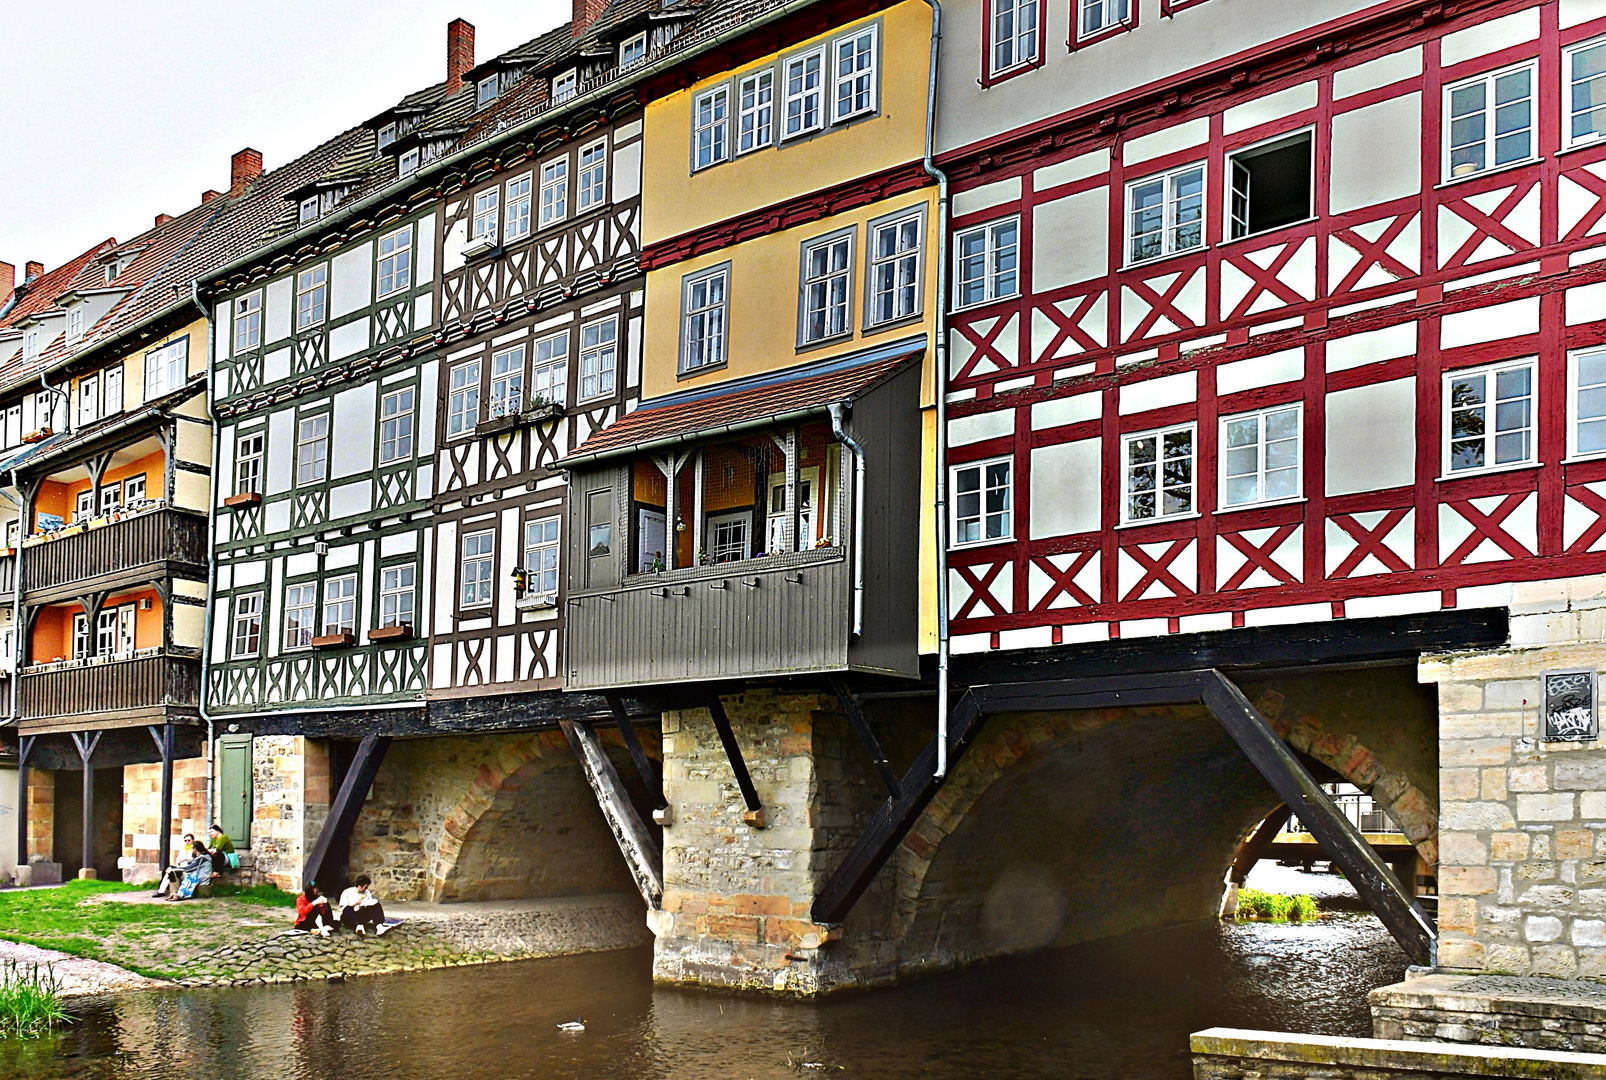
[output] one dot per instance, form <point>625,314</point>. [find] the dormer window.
<point>387,135</point>
<point>75,323</point>
<point>565,86</point>
<point>407,163</point>
<point>632,51</point>
<point>309,209</point>
<point>30,343</point>
<point>111,273</point>
<point>485,92</point>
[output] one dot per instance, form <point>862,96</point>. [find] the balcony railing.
<point>109,546</point>
<point>147,682</point>
<point>1362,813</point>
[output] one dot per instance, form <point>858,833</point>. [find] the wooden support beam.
<point>649,775</point>
<point>86,751</point>
<point>629,832</point>
<point>1255,848</point>
<point>733,753</point>
<point>163,737</point>
<point>24,751</point>
<point>336,832</point>
<point>861,728</point>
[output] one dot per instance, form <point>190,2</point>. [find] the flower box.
<point>333,641</point>
<point>243,500</point>
<point>391,633</point>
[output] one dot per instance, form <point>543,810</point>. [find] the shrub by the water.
<point>30,1001</point>
<point>1259,904</point>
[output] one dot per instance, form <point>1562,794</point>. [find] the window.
<point>565,86</point>
<point>727,536</point>
<point>88,399</point>
<point>599,518</point>
<point>134,490</point>
<point>1489,121</point>
<point>554,191</point>
<point>827,279</point>
<point>396,596</point>
<point>112,401</point>
<point>755,117</point>
<point>895,269</point>
<point>111,497</point>
<point>463,399</point>
<point>541,555</point>
<point>164,368</point>
<point>75,323</point>
<point>30,343</point>
<point>518,209</point>
<point>703,320</point>
<point>248,322</point>
<point>855,75</point>
<point>387,135</point>
<point>987,258</point>
<point>407,163</point>
<point>1270,185</point>
<point>1474,439</point>
<point>1260,456</point>
<point>396,426</point>
<point>599,352</point>
<point>1099,15</point>
<point>549,376</point>
<point>396,261</point>
<point>485,92</point>
<point>478,548</point>
<point>84,505</point>
<point>507,382</point>
<point>485,209</point>
<point>710,110</point>
<point>1157,471</point>
<point>114,631</point>
<point>802,106</point>
<point>248,454</point>
<point>1585,92</point>
<point>312,449</point>
<point>309,210</point>
<point>1014,34</point>
<point>632,51</point>
<point>593,176</point>
<point>300,608</point>
<point>247,626</point>
<point>312,296</point>
<point>80,635</point>
<point>1165,214</point>
<point>340,605</point>
<point>1587,378</point>
<point>981,501</point>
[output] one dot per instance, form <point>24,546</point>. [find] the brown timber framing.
<point>1270,755</point>
<point>635,841</point>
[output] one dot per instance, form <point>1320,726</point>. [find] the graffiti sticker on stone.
<point>1570,714</point>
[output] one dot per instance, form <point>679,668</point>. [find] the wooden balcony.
<point>140,547</point>
<point>137,690</point>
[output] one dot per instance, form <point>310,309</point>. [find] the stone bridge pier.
<point>1054,827</point>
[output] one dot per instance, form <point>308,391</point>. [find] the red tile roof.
<point>40,295</point>
<point>698,414</point>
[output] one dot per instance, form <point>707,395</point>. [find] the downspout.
<point>211,563</point>
<point>940,383</point>
<point>16,603</point>
<point>858,515</point>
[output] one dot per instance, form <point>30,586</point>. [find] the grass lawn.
<point>125,925</point>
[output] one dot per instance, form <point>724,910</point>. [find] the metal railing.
<point>1361,810</point>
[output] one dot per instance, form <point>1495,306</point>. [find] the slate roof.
<point>743,403</point>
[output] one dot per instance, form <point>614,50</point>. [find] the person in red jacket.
<point>312,911</point>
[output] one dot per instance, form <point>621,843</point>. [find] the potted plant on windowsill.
<point>397,632</point>
<point>243,500</point>
<point>334,641</point>
<point>539,409</point>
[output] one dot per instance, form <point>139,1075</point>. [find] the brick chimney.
<point>459,53</point>
<point>585,13</point>
<point>244,167</point>
<point>31,270</point>
<point>8,282</point>
<point>163,219</point>
<point>208,196</point>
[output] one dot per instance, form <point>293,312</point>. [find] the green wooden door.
<point>234,799</point>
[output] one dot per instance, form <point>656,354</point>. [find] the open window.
<point>1270,185</point>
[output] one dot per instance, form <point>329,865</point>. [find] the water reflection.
<point>1109,1011</point>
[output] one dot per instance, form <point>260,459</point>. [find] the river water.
<point>1118,1010</point>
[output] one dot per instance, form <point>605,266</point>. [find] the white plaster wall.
<point>1371,437</point>
<point>1065,488</point>
<point>352,445</point>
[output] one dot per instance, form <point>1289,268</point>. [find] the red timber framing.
<point>1525,245</point>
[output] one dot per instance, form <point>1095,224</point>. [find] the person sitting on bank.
<point>360,910</point>
<point>312,911</point>
<point>174,872</point>
<point>224,857</point>
<point>193,873</point>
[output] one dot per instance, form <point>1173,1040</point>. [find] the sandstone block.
<point>1459,785</point>
<point>1461,955</point>
<point>761,905</point>
<point>1458,913</point>
<point>1493,788</point>
<point>1475,817</point>
<point>1504,959</point>
<point>1508,846</point>
<point>1466,881</point>
<point>1527,778</point>
<point>1592,806</point>
<point>1511,694</point>
<point>1574,843</point>
<point>1460,697</point>
<point>1582,773</point>
<point>1555,960</point>
<point>1557,806</point>
<point>1542,928</point>
<point>1480,752</point>
<point>1462,849</point>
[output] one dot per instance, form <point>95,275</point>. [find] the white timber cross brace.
<point>788,447</point>
<point>670,465</point>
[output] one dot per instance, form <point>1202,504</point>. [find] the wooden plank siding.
<point>134,544</point>
<point>145,684</point>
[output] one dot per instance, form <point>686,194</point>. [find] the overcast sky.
<point>113,111</point>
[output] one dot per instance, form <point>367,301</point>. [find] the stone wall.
<point>41,814</point>
<point>1522,842</point>
<point>290,781</point>
<point>142,813</point>
<point>1229,1054</point>
<point>1494,1010</point>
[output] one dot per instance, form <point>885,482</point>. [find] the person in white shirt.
<point>360,910</point>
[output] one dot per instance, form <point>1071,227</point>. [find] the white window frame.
<point>340,605</point>
<point>407,163</point>
<point>1169,206</point>
<point>247,317</point>
<point>517,208</point>
<point>507,382</point>
<point>1159,435</point>
<point>486,91</point>
<point>591,177</point>
<point>111,497</point>
<point>75,322</point>
<point>385,135</point>
<point>983,516</point>
<point>633,51</point>
<point>599,358</point>
<point>300,614</point>
<point>827,292</point>
<point>1107,21</point>
<point>710,321</point>
<point>1489,79</point>
<point>555,191</point>
<point>165,368</point>
<point>803,94</point>
<point>565,86</point>
<point>308,210</point>
<point>1568,56</point>
<point>312,449</point>
<point>710,127</point>
<point>133,489</point>
<point>478,590</point>
<point>396,421</point>
<point>487,216</point>
<point>395,262</point>
<point>542,538</point>
<point>993,249</point>
<point>246,639</point>
<point>860,78</point>
<point>1260,416</point>
<point>114,631</point>
<point>80,635</point>
<point>549,373</point>
<point>88,399</point>
<point>397,595</point>
<point>742,519</point>
<point>1306,134</point>
<point>30,342</point>
<point>755,111</point>
<point>1575,409</point>
<point>878,265</point>
<point>312,296</point>
<point>1025,44</point>
<point>111,394</point>
<point>463,400</point>
<point>1490,372</point>
<point>250,454</point>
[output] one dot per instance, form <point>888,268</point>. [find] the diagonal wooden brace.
<point>336,832</point>
<point>635,842</point>
<point>733,753</point>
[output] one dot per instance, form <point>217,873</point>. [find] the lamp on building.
<point>521,580</point>
<point>680,526</point>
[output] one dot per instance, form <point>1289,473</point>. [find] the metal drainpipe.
<point>211,563</point>
<point>858,515</point>
<point>16,604</point>
<point>940,382</point>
